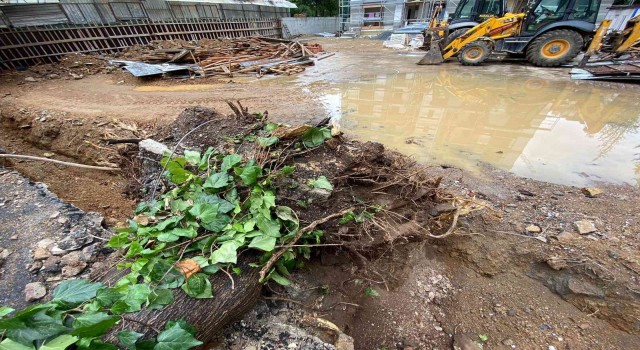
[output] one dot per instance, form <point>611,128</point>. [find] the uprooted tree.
<point>194,258</point>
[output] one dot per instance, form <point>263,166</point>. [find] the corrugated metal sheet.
<point>34,14</point>
<point>3,22</point>
<point>158,10</point>
<point>80,13</point>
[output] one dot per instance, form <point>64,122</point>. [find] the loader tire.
<point>474,53</point>
<point>455,35</point>
<point>554,48</point>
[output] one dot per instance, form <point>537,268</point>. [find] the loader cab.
<point>477,11</point>
<point>546,14</point>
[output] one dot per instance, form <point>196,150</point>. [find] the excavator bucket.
<point>434,55</point>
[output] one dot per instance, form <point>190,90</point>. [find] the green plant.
<point>370,292</point>
<point>218,205</point>
<point>321,182</point>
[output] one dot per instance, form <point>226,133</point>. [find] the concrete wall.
<point>311,25</point>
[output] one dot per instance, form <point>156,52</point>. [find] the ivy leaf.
<point>183,324</point>
<point>39,326</point>
<point>287,214</point>
<point>250,174</point>
<point>93,325</point>
<point>269,199</point>
<point>192,157</point>
<point>9,344</point>
<point>129,338</point>
<point>225,254</point>
<point>370,292</point>
<point>138,294</point>
<point>268,226</point>
<point>322,182</point>
<point>205,212</point>
<point>223,205</point>
<point>230,161</point>
<point>175,337</point>
<point>168,237</point>
<point>168,222</point>
<point>314,137</point>
<point>159,297</point>
<point>59,343</point>
<point>176,172</point>
<point>217,180</point>
<point>266,142</point>
<point>118,241</point>
<point>279,279</point>
<point>217,225</point>
<point>198,286</point>
<point>287,170</point>
<point>4,310</point>
<point>263,242</point>
<point>107,296</point>
<point>75,291</point>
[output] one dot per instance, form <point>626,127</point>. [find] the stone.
<point>558,193</point>
<point>30,79</point>
<point>566,237</point>
<point>557,263</point>
<point>442,208</point>
<point>153,146</point>
<point>4,253</point>
<point>577,286</point>
<point>320,193</point>
<point>508,342</point>
<point>41,254</point>
<point>45,243</point>
<point>89,252</point>
<point>592,192</point>
<point>73,270</point>
<point>76,76</point>
<point>72,258</point>
<point>584,326</point>
<point>533,229</point>
<point>77,238</point>
<point>52,264</point>
<point>34,291</point>
<point>14,237</point>
<point>55,250</point>
<point>35,266</point>
<point>585,226</point>
<point>462,341</point>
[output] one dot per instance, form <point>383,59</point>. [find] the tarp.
<point>141,69</point>
<point>272,3</point>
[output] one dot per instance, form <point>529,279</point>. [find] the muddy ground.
<point>494,280</point>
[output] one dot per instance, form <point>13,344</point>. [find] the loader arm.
<point>493,28</point>
<point>631,34</point>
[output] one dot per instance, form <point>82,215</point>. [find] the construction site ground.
<point>518,276</point>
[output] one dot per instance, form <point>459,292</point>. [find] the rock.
<point>77,238</point>
<point>76,76</point>
<point>30,79</point>
<point>14,237</point>
<point>153,146</point>
<point>584,326</point>
<point>442,208</point>
<point>508,342</point>
<point>34,291</point>
<point>52,264</point>
<point>73,270</point>
<point>464,341</point>
<point>320,193</point>
<point>48,154</point>
<point>566,237</point>
<point>557,263</point>
<point>55,250</point>
<point>41,254</point>
<point>533,229</point>
<point>584,288</point>
<point>558,193</point>
<point>37,265</point>
<point>344,342</point>
<point>585,227</point>
<point>592,192</point>
<point>45,243</point>
<point>72,258</point>
<point>89,252</point>
<point>4,253</point>
<point>526,192</point>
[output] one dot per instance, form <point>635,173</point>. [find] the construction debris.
<point>222,57</point>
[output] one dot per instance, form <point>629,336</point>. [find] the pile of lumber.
<point>229,57</point>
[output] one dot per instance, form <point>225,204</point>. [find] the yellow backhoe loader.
<point>549,33</point>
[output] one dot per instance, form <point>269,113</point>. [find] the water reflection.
<point>559,131</point>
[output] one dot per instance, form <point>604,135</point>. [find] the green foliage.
<point>321,182</point>
<point>370,292</point>
<point>217,206</point>
<point>314,137</point>
<point>316,8</point>
<point>359,218</point>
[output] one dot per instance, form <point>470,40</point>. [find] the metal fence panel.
<point>23,15</point>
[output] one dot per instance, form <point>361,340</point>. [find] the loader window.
<point>464,9</point>
<point>547,11</point>
<point>585,10</point>
<point>491,7</point>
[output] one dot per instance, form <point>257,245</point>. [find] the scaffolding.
<point>345,14</point>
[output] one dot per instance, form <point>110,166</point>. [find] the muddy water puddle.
<point>566,132</point>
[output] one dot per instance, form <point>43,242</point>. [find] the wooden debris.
<point>229,57</point>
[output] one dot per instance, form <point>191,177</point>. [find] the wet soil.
<point>485,280</point>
